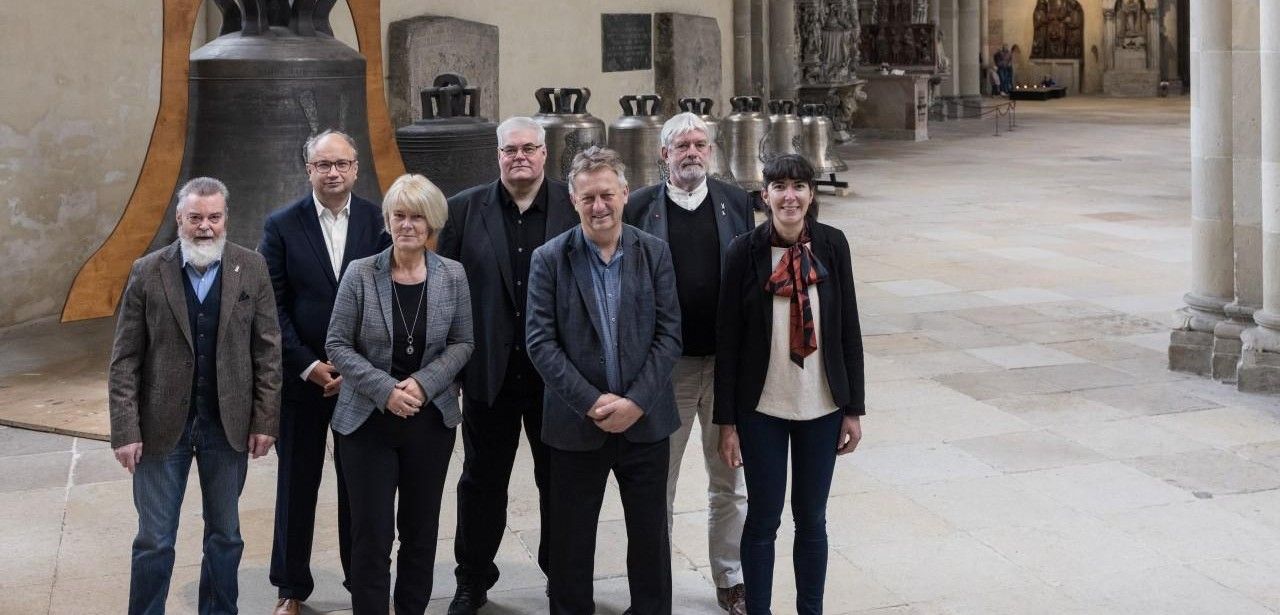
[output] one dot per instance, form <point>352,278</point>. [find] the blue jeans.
<point>765,441</point>
<point>158,485</point>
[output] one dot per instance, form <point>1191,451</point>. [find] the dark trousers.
<point>490,437</point>
<point>304,429</point>
<point>577,482</point>
<point>385,456</point>
<point>765,440</point>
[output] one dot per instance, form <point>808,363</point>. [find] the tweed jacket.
<point>647,208</point>
<point>153,358</point>
<point>744,326</point>
<point>562,332</point>
<point>360,330</point>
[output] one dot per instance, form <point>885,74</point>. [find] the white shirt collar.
<point>320,208</point>
<point>689,200</point>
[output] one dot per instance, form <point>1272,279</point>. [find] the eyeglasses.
<point>528,149</point>
<point>324,166</point>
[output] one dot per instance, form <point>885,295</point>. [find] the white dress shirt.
<point>334,229</point>
<point>690,200</point>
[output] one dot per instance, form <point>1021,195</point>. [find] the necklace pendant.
<point>409,350</point>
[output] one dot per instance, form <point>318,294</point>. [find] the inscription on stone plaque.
<point>626,41</point>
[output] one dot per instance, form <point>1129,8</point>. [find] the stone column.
<point>784,51</point>
<point>1191,344</point>
<point>1260,356</point>
<point>968,49</point>
<point>750,48</point>
<point>948,25</point>
<point>984,45</point>
<point>1246,174</point>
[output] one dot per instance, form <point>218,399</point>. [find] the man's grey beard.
<point>202,255</point>
<point>691,174</point>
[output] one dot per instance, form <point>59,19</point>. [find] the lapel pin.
<point>236,270</point>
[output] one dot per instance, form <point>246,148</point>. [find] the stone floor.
<point>1025,451</point>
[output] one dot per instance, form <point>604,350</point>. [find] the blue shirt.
<point>201,282</point>
<point>606,279</point>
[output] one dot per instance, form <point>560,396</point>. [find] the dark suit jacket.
<point>563,337</point>
<point>745,323</point>
<point>293,246</point>
<point>361,330</point>
<point>647,209</point>
<point>476,236</point>
<point>153,359</point>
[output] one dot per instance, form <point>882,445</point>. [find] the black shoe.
<point>467,601</point>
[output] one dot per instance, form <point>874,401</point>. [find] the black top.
<point>525,232</point>
<point>695,255</point>
<point>408,298</point>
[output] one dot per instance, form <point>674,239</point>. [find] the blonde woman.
<point>400,332</point>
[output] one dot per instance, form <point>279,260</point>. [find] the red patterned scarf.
<point>796,271</point>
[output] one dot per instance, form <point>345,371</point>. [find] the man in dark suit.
<point>698,216</point>
<point>195,374</point>
<point>492,230</point>
<point>604,332</point>
<point>307,246</point>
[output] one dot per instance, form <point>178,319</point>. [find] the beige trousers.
<point>727,491</point>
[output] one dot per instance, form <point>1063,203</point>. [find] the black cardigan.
<point>745,323</point>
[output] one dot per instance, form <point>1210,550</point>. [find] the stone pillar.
<point>1260,355</point>
<point>1191,344</point>
<point>784,52</point>
<point>948,26</point>
<point>984,45</point>
<point>1246,177</point>
<point>968,49</point>
<point>750,48</point>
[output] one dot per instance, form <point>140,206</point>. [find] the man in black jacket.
<point>307,246</point>
<point>492,230</point>
<point>698,216</point>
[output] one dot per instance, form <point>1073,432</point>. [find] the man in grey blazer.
<point>194,374</point>
<point>603,330</point>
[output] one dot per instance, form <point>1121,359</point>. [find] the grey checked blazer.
<point>359,340</point>
<point>152,359</point>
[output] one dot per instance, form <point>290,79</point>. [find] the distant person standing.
<point>1004,67</point>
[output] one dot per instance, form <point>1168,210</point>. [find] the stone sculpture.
<point>1058,30</point>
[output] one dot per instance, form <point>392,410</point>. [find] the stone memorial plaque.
<point>626,41</point>
<point>419,48</point>
<point>686,60</point>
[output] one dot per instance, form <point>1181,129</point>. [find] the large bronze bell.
<point>570,129</point>
<point>784,129</point>
<point>450,145</point>
<point>274,77</point>
<point>816,144</point>
<point>746,133</point>
<point>637,137</point>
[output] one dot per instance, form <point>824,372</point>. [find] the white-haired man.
<point>698,216</point>
<point>194,375</point>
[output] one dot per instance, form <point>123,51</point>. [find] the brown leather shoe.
<point>733,599</point>
<point>288,606</point>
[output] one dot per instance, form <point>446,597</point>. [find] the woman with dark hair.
<point>788,375</point>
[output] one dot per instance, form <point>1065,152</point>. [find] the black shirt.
<point>525,232</point>
<point>695,255</point>
<point>408,298</point>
